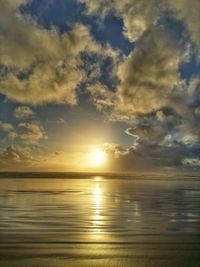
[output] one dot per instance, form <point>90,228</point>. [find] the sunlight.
<point>98,157</point>
<point>97,178</point>
<point>97,194</point>
<point>97,217</point>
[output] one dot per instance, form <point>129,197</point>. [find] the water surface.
<point>99,222</point>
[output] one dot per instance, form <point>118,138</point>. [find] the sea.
<point>99,220</point>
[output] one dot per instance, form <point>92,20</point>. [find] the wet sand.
<point>99,222</point>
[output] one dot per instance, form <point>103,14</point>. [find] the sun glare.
<point>98,157</point>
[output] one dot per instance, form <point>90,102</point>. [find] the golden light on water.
<point>97,196</point>
<point>97,217</point>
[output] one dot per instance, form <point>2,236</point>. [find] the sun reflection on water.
<point>97,178</point>
<point>97,193</point>
<point>97,217</point>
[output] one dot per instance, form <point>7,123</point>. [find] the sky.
<point>87,78</point>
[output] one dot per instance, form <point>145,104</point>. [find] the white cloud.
<point>23,112</point>
<point>137,15</point>
<point>194,162</point>
<point>4,126</point>
<point>42,65</point>
<point>13,154</point>
<point>31,133</point>
<point>101,96</point>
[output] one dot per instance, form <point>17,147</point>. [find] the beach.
<point>99,221</point>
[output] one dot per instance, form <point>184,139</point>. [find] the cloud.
<point>114,150</point>
<point>13,154</point>
<point>41,65</point>
<point>98,7</point>
<point>23,112</point>
<point>152,156</point>
<point>137,15</point>
<point>28,132</point>
<point>189,129</point>
<point>62,121</point>
<point>14,158</point>
<point>157,128</point>
<point>161,108</point>
<point>23,42</point>
<point>101,96</point>
<point>140,15</point>
<point>126,159</point>
<point>160,139</point>
<point>149,76</point>
<point>193,162</point>
<point>188,12</point>
<point>7,127</point>
<point>12,136</point>
<point>31,133</point>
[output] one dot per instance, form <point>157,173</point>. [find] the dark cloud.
<point>188,12</point>
<point>152,157</point>
<point>162,110</point>
<point>150,74</point>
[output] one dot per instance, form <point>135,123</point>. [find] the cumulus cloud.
<point>4,126</point>
<point>160,139</point>
<point>41,65</point>
<point>102,97</point>
<point>188,12</point>
<point>23,112</point>
<point>127,159</point>
<point>17,158</point>
<point>100,8</point>
<point>13,154</point>
<point>152,156</point>
<point>31,133</point>
<point>137,15</point>
<point>12,136</point>
<point>160,107</point>
<point>115,150</point>
<point>156,128</point>
<point>189,131</point>
<point>149,75</point>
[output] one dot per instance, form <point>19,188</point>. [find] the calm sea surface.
<point>99,222</point>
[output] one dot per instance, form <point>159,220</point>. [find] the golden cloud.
<point>23,112</point>
<point>41,65</point>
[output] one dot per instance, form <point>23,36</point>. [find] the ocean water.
<point>98,221</point>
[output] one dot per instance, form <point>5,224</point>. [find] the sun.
<point>98,157</point>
